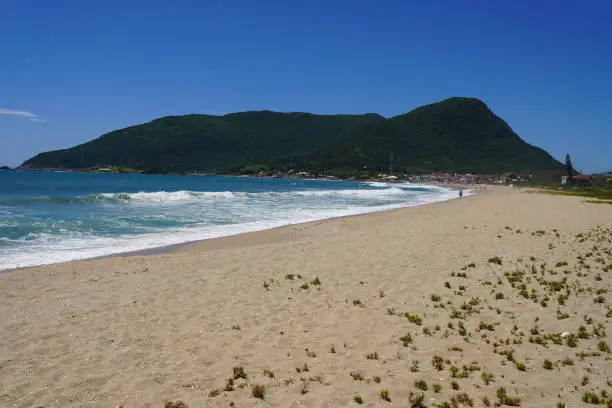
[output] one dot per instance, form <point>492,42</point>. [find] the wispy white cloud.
<point>14,112</point>
<point>32,117</point>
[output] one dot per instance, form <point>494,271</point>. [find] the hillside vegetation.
<point>455,135</point>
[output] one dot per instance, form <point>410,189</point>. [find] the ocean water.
<point>54,217</point>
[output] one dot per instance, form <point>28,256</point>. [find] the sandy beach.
<point>472,295</point>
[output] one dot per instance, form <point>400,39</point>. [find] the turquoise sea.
<point>54,217</point>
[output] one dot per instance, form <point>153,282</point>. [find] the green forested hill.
<point>204,142</point>
<point>457,134</point>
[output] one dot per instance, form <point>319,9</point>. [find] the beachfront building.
<point>581,180</point>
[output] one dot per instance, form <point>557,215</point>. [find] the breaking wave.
<point>185,196</point>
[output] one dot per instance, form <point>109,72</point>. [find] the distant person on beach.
<point>460,193</point>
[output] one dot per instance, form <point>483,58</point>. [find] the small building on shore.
<point>579,180</point>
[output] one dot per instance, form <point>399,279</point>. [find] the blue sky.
<point>73,70</point>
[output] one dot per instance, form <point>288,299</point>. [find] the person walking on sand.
<point>460,193</point>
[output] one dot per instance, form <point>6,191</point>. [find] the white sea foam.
<point>187,196</point>
<point>232,213</point>
<point>165,196</point>
<point>377,184</point>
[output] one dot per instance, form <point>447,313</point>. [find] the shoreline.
<point>174,248</point>
<point>171,248</point>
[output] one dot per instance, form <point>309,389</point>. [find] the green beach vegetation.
<point>595,193</point>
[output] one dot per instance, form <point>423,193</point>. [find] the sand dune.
<point>323,306</point>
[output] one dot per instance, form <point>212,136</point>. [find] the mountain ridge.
<point>456,134</point>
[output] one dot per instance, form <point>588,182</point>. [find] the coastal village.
<point>439,177</point>
<point>436,177</point>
